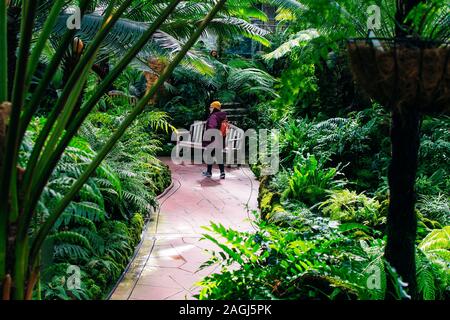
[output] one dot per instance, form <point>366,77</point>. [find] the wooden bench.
<point>194,137</point>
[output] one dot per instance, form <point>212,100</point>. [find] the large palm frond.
<point>230,26</point>
<point>251,80</point>
<point>299,39</point>
<point>124,34</point>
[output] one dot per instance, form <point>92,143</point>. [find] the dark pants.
<point>221,165</point>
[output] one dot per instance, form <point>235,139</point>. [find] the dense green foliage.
<point>307,222</point>
<point>32,198</point>
<point>321,239</point>
<point>320,233</point>
<point>73,176</point>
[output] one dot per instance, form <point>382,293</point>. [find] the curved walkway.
<point>167,262</point>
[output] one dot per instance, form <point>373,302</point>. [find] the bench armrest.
<point>181,135</point>
<point>181,132</point>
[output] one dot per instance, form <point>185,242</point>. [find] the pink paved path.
<point>167,263</point>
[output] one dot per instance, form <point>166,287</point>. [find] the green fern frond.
<point>70,252</point>
<point>425,278</point>
<point>88,210</point>
<point>63,237</point>
<point>67,218</point>
<point>300,39</point>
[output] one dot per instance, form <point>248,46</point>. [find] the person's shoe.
<point>207,174</point>
<point>222,175</point>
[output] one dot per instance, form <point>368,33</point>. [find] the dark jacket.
<point>214,122</point>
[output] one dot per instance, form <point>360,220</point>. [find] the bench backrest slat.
<point>197,129</point>
<point>228,137</point>
<point>234,137</point>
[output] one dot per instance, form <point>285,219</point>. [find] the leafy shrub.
<point>349,206</point>
<point>100,252</point>
<point>310,181</point>
<point>280,180</point>
<point>313,260</point>
<point>434,150</point>
<point>435,208</point>
<point>55,287</point>
<point>316,259</point>
<point>340,136</point>
<point>436,246</point>
<point>273,263</point>
<point>294,139</point>
<point>434,264</point>
<point>359,141</point>
<point>434,184</point>
<point>298,91</point>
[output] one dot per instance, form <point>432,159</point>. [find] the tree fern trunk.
<point>157,66</point>
<point>402,220</point>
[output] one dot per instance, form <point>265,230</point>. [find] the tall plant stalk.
<point>3,51</point>
<point>8,173</point>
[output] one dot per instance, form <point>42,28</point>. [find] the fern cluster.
<point>99,231</point>
<point>317,258</point>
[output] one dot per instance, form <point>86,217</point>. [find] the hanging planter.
<point>403,73</point>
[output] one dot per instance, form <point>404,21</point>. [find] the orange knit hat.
<point>216,105</point>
